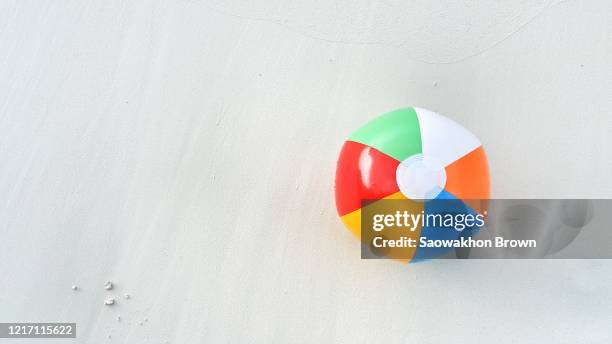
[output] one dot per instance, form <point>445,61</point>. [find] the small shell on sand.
<point>109,301</point>
<point>108,285</point>
<point>75,287</point>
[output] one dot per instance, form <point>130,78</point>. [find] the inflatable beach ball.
<point>413,154</point>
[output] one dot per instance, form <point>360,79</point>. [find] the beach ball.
<point>414,154</point>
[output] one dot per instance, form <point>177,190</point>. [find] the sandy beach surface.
<point>185,151</point>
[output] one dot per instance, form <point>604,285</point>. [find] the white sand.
<point>186,150</point>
